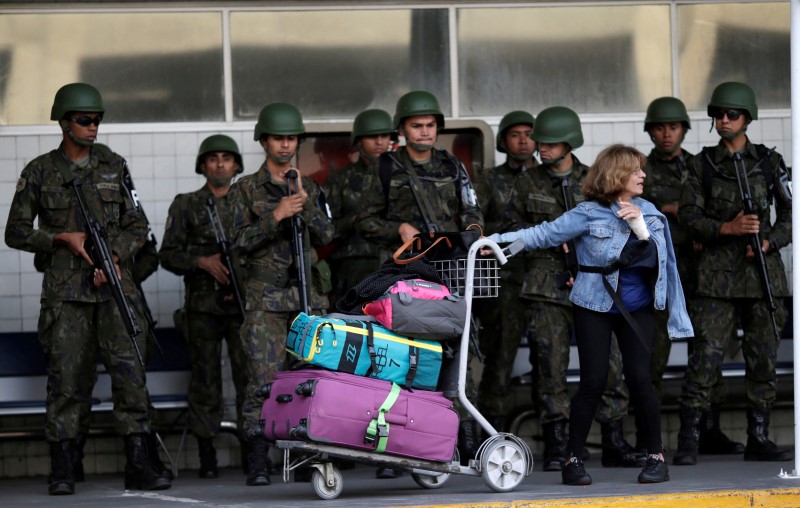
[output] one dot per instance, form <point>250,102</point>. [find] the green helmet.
<point>415,104</point>
<point>558,124</point>
<point>218,143</point>
<point>370,123</point>
<point>279,119</point>
<point>76,97</point>
<point>510,120</point>
<point>666,110</point>
<point>734,95</point>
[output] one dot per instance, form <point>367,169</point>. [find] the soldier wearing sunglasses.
<point>728,281</point>
<point>78,317</point>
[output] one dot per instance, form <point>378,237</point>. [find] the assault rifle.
<point>297,242</point>
<point>103,259</point>
<point>755,238</point>
<point>149,246</point>
<point>572,255</point>
<point>225,251</point>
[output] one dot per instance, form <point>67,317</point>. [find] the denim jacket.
<point>599,238</point>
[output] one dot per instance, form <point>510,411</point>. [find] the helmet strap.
<point>219,183</point>
<point>66,128</point>
<point>520,157</point>
<point>368,158</point>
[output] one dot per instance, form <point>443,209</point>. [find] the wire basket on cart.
<point>486,280</point>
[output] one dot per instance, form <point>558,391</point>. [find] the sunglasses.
<point>733,114</point>
<point>86,121</point>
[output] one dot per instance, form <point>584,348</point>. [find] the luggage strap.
<point>413,358</point>
<point>378,429</point>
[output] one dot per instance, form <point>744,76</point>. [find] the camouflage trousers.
<point>551,328</point>
<point>503,321</point>
<point>714,329</point>
<point>72,334</point>
<point>264,336</point>
<point>206,332</point>
<point>662,345</point>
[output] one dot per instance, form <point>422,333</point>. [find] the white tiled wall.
<point>162,165</point>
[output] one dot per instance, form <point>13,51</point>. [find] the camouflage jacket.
<point>271,277</point>
<point>345,190</point>
<point>538,198</point>
<point>383,212</point>
<point>494,187</point>
<point>188,235</point>
<point>662,186</point>
<point>41,193</point>
<point>723,270</point>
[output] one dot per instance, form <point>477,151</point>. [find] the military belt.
<point>69,262</point>
<point>267,276</point>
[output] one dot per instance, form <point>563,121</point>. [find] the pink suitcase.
<point>336,408</point>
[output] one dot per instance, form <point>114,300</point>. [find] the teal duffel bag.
<point>365,348</point>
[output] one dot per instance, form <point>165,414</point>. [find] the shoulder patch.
<point>21,183</point>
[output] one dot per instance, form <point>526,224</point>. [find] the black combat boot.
<point>77,458</point>
<point>62,478</point>
<point>617,452</point>
<point>555,444</point>
<point>155,460</point>
<point>688,437</point>
<point>469,440</point>
<point>257,462</point>
<point>574,473</point>
<point>208,458</point>
<point>759,447</point>
<point>712,440</point>
<point>139,473</point>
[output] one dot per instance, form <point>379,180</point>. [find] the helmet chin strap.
<point>368,158</point>
<point>420,147</point>
<point>520,157</point>
<point>66,128</point>
<point>554,162</point>
<point>277,159</point>
<point>219,183</point>
<point>729,135</point>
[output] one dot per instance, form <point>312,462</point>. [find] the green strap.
<point>378,428</point>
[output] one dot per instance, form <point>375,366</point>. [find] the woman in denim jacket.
<point>627,269</point>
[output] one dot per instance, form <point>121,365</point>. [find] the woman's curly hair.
<point>608,175</point>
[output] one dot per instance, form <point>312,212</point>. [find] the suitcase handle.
<point>284,398</point>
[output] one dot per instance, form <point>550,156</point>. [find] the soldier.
<point>212,310</point>
<point>503,322</point>
<point>728,279</point>
<point>263,233</point>
<point>78,316</point>
<point>667,171</point>
<point>354,257</point>
<point>391,215</point>
<point>541,196</point>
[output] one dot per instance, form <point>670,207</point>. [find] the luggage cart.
<point>503,460</point>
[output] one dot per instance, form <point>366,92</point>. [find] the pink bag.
<point>420,309</point>
<point>341,409</point>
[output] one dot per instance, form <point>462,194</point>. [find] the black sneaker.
<point>655,470</point>
<point>574,473</point>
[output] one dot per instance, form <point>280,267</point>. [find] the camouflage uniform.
<point>726,280</point>
<point>665,178</point>
<point>210,317</point>
<point>77,319</point>
<point>273,298</point>
<point>504,321</point>
<point>354,257</point>
<point>383,213</point>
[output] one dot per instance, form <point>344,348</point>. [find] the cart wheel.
<point>321,487</point>
<point>503,465</point>
<point>431,482</point>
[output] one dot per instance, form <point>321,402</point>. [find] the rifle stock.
<point>102,258</point>
<point>755,239</point>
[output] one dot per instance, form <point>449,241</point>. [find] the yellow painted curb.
<point>772,498</point>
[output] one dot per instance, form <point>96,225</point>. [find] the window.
<point>149,67</point>
<point>591,59</point>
